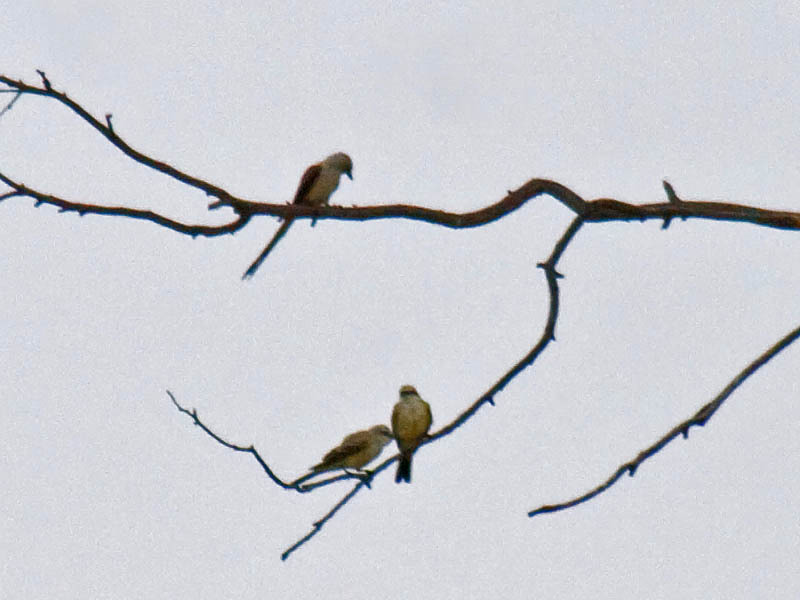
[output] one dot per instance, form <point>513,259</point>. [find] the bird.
<point>356,450</point>
<point>411,419</point>
<point>317,184</point>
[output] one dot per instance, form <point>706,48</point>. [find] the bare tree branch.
<point>107,132</point>
<point>248,449</point>
<point>10,105</point>
<point>699,418</point>
<point>299,485</point>
<point>317,525</point>
<point>21,190</point>
<point>546,337</point>
<point>591,211</point>
<point>599,210</point>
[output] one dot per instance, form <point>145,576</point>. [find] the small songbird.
<point>411,419</point>
<point>315,189</point>
<point>356,450</point>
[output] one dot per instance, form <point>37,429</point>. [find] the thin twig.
<point>298,485</point>
<point>247,449</point>
<point>10,105</point>
<point>699,418</point>
<point>107,132</point>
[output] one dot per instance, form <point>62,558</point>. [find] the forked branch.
<point>586,211</point>
<point>599,210</point>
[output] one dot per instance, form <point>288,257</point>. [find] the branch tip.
<point>699,418</point>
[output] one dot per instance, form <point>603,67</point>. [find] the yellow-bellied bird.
<point>315,189</point>
<point>356,450</point>
<point>411,419</point>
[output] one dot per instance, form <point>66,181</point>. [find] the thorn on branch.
<point>632,469</point>
<point>45,80</point>
<point>108,122</point>
<point>671,195</point>
<point>490,400</point>
<point>550,269</point>
<point>673,198</point>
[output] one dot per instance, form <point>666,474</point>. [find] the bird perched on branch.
<point>411,419</point>
<point>316,186</point>
<point>356,450</point>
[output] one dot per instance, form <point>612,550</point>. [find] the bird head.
<point>384,432</point>
<point>408,390</point>
<point>341,162</point>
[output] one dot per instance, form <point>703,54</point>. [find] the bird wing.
<point>430,415</point>
<point>352,444</point>
<point>395,416</point>
<point>306,181</point>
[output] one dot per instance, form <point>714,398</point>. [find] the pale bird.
<point>316,186</point>
<point>356,450</point>
<point>411,419</point>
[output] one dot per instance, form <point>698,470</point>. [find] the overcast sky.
<point>109,492</point>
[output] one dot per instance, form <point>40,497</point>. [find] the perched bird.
<point>315,189</point>
<point>356,450</point>
<point>411,419</point>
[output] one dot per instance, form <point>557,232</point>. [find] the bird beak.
<point>350,175</point>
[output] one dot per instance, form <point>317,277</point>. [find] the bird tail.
<point>251,270</point>
<point>403,469</point>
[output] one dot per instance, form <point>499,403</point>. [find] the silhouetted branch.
<point>299,484</point>
<point>107,132</point>
<point>10,105</point>
<point>603,209</point>
<point>546,337</point>
<point>699,418</point>
<point>591,211</point>
<point>317,525</point>
<point>247,449</point>
<point>63,205</point>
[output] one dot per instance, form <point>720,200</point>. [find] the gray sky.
<point>109,492</point>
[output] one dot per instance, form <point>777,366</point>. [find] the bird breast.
<point>326,183</point>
